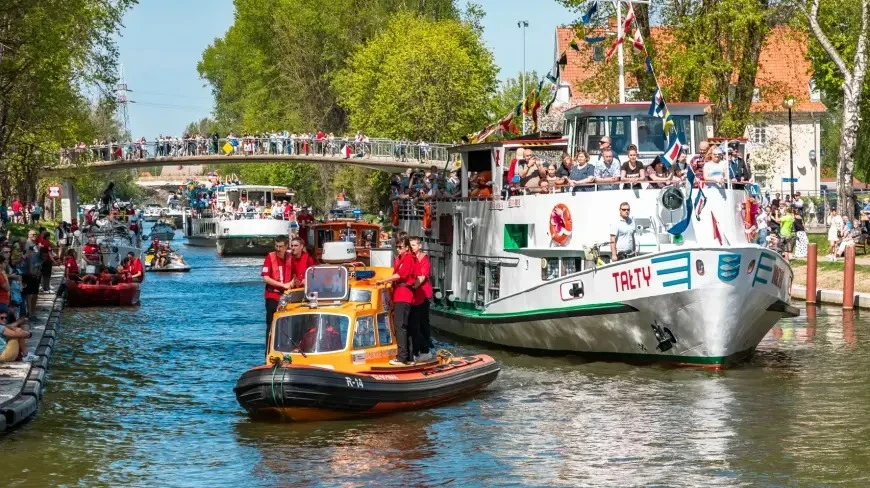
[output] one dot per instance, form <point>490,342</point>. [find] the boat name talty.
<point>632,279</point>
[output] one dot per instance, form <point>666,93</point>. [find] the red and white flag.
<point>716,234</point>
<point>612,50</point>
<point>629,18</point>
<point>637,42</point>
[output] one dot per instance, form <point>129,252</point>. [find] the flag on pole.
<point>648,63</point>
<point>563,59</point>
<point>669,122</point>
<point>629,19</point>
<point>673,153</point>
<point>587,17</point>
<point>681,226</point>
<point>637,42</point>
<point>657,105</point>
<point>612,49</point>
<point>716,234</point>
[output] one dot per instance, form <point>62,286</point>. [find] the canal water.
<point>143,397</point>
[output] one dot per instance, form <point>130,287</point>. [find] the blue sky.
<point>163,40</point>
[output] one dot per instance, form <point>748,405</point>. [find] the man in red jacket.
<point>403,296</point>
<point>277,274</point>
<point>301,262</point>
<point>420,305</point>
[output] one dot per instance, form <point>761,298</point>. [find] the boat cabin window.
<point>326,283</point>
<point>477,161</point>
<point>650,134</point>
<point>385,335</point>
<point>571,265</point>
<point>594,132</point>
<point>369,238</point>
<point>323,236</point>
<point>347,235</point>
<point>549,268</point>
<point>311,333</point>
<point>552,268</point>
<point>700,131</point>
<point>620,133</point>
<point>364,332</point>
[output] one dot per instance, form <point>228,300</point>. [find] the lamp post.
<point>523,24</point>
<point>789,103</point>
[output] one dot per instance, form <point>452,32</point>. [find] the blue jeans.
<point>762,237</point>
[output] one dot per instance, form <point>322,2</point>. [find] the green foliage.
<point>420,79</point>
<point>206,127</point>
<point>50,52</point>
<point>510,93</point>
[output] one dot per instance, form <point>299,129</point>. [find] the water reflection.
<point>144,397</point>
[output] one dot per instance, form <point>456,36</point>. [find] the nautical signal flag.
<point>673,153</point>
<point>648,63</point>
<point>629,18</point>
<point>612,49</point>
<point>716,233</point>
<point>587,17</point>
<point>657,105</point>
<point>669,122</point>
<point>700,203</point>
<point>637,42</point>
<point>681,226</point>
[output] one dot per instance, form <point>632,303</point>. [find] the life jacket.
<point>280,272</point>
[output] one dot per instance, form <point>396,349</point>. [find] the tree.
<point>510,93</point>
<point>848,25</point>
<point>420,79</point>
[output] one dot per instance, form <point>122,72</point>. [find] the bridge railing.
<point>382,149</point>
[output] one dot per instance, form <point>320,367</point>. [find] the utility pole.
<point>619,55</point>
<point>523,24</point>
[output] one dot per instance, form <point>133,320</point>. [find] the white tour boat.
<point>250,232</point>
<point>152,212</point>
<point>523,271</point>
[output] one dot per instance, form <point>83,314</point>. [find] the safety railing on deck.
<point>385,149</point>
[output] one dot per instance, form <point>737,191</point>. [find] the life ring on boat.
<point>561,224</point>
<point>89,279</point>
<point>394,219</point>
<point>427,218</point>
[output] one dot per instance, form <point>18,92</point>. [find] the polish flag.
<point>716,234</point>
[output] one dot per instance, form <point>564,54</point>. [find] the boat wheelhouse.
<point>526,267</point>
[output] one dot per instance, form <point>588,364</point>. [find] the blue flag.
<point>681,226</point>
<point>587,17</point>
<point>593,40</point>
<point>648,63</point>
<point>657,105</point>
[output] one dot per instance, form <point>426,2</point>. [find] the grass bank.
<point>829,275</point>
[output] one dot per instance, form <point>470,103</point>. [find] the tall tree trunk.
<point>744,91</point>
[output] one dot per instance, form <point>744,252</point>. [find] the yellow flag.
<point>228,148</point>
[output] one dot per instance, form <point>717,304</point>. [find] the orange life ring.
<point>560,224</point>
<point>395,217</point>
<point>427,217</point>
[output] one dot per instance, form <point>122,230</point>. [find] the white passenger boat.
<point>251,232</point>
<point>162,231</point>
<point>152,212</point>
<point>523,271</point>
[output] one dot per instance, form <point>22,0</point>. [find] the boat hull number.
<point>354,382</point>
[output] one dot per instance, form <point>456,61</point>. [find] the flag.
<point>681,226</point>
<point>673,153</point>
<point>612,49</point>
<point>638,42</point>
<point>716,234</point>
<point>700,202</point>
<point>669,122</point>
<point>563,59</point>
<point>574,45</point>
<point>657,105</point>
<point>648,63</point>
<point>593,40</point>
<point>551,77</point>
<point>587,17</point>
<point>506,121</point>
<point>555,92</point>
<point>629,18</point>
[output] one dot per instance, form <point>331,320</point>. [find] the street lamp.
<point>523,24</point>
<point>789,103</point>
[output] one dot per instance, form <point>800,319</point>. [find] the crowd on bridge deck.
<point>246,144</point>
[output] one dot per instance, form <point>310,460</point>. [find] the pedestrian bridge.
<point>378,154</point>
<point>382,154</point>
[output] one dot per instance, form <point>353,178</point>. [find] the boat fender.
<point>427,218</point>
<point>20,409</point>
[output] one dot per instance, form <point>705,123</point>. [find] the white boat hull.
<point>249,237</point>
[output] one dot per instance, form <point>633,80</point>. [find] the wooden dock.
<point>21,383</point>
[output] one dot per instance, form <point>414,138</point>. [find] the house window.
<point>759,134</point>
<point>756,95</point>
<point>815,94</point>
<point>598,53</point>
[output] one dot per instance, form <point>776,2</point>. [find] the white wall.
<point>771,159</point>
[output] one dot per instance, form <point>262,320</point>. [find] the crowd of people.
<point>247,144</point>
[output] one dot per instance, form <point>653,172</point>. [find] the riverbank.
<point>829,280</point>
<point>21,383</point>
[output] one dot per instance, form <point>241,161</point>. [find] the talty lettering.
<point>632,279</point>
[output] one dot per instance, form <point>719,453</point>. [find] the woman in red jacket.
<point>403,296</point>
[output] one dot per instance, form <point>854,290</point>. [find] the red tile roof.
<point>783,69</point>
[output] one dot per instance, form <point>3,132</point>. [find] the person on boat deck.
<point>605,144</point>
<point>91,250</point>
<point>420,305</point>
<point>71,266</point>
<point>137,271</point>
<point>608,171</point>
<point>123,271</point>
<point>277,274</point>
<point>622,242</point>
<point>633,170</point>
<point>582,173</point>
<point>403,298</point>
<point>714,173</point>
<point>104,278</point>
<point>301,261</point>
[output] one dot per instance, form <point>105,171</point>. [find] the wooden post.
<point>812,270</point>
<point>849,279</point>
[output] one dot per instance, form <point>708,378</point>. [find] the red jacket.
<point>136,267</point>
<point>404,267</point>
<point>300,265</point>
<point>279,270</point>
<point>422,267</point>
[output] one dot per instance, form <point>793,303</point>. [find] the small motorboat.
<point>84,294</point>
<point>329,352</point>
<point>162,231</point>
<point>176,263</point>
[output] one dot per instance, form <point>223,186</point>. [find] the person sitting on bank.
<point>15,336</point>
<point>622,241</point>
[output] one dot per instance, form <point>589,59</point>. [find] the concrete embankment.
<point>21,383</point>
<point>830,297</point>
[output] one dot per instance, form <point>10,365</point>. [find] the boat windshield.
<point>311,333</point>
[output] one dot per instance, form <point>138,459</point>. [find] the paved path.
<point>21,384</point>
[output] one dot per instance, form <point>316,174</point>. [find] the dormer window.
<point>815,93</point>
